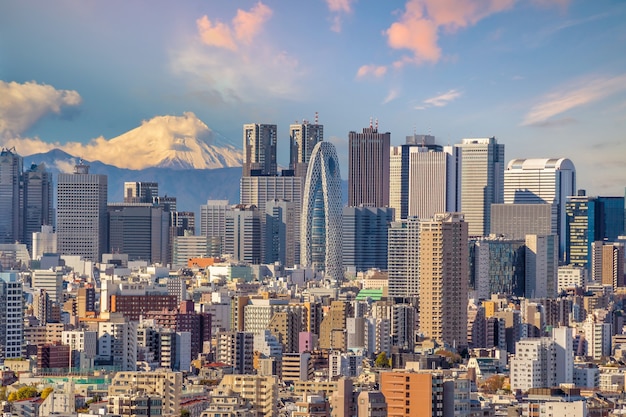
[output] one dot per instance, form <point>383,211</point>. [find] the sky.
<point>547,78</point>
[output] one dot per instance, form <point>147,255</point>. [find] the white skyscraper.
<point>403,258</point>
<point>482,177</point>
<point>82,214</point>
<point>11,316</point>
<point>541,266</point>
<point>541,181</point>
<point>321,235</point>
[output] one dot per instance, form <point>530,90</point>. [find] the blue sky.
<point>546,77</point>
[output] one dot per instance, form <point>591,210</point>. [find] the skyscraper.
<point>82,213</point>
<point>368,168</point>
<point>423,179</point>
<point>302,139</point>
<point>403,258</point>
<point>443,265</point>
<point>11,219</point>
<point>259,149</point>
<point>541,181</point>
<point>140,192</point>
<point>365,237</point>
<point>321,234</point>
<point>541,266</point>
<point>281,229</point>
<point>242,239</point>
<point>482,176</point>
<point>38,210</point>
<point>213,223</point>
<point>11,316</point>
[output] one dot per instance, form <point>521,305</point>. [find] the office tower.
<point>140,192</point>
<point>242,239</point>
<point>38,210</point>
<point>321,234</point>
<point>302,139</point>
<point>570,276</point>
<point>515,221</point>
<point>259,150</point>
<point>82,213</point>
<point>139,230</point>
<point>423,179</point>
<point>167,203</point>
<point>611,217</point>
<point>368,168</point>
<point>443,265</point>
<point>541,266</point>
<point>258,191</point>
<point>534,364</point>
<point>499,267</point>
<point>403,258</point>
<point>482,177</point>
<point>541,181</point>
<point>236,349</point>
<point>51,281</point>
<point>613,265</point>
<point>186,247</point>
<point>44,241</point>
<point>412,393</point>
<point>281,229</point>
<point>365,237</point>
<point>213,224</point>
<point>11,220</point>
<point>11,316</point>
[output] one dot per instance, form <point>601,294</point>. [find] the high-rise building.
<point>44,241</point>
<point>282,232</point>
<point>321,234</point>
<point>51,281</point>
<point>403,258</point>
<point>499,267</point>
<point>165,384</point>
<point>38,210</point>
<point>259,150</point>
<point>186,247</point>
<point>242,239</point>
<point>236,349</point>
<point>139,230</point>
<point>613,265</point>
<point>542,181</point>
<point>11,316</point>
<point>82,213</point>
<point>365,237</point>
<point>541,266</point>
<point>258,191</point>
<point>11,220</point>
<point>444,267</point>
<point>213,223</point>
<point>515,221</point>
<point>482,177</point>
<point>423,179</point>
<point>140,192</point>
<point>413,393</point>
<point>534,364</point>
<point>368,168</point>
<point>302,139</point>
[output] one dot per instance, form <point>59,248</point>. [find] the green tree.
<point>185,413</point>
<point>382,361</point>
<point>23,393</point>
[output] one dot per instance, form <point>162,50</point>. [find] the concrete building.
<point>140,192</point>
<point>368,168</point>
<point>403,258</point>
<point>83,346</point>
<point>260,391</point>
<point>296,367</point>
<point>187,247</point>
<point>515,221</point>
<point>534,364</point>
<point>371,404</point>
<point>117,343</point>
<point>412,393</point>
<point>444,266</point>
<point>37,202</point>
<point>242,238</point>
<point>213,224</point>
<point>302,139</point>
<point>259,150</point>
<point>44,241</point>
<point>167,385</point>
<point>11,221</point>
<point>236,349</point>
<point>365,237</point>
<point>482,180</point>
<point>11,316</point>
<point>51,281</point>
<point>541,266</point>
<point>82,214</point>
<point>571,277</point>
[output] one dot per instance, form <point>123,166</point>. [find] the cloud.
<point>158,141</point>
<point>339,8</point>
<point>440,100</point>
<point>392,95</point>
<point>419,26</point>
<point>575,94</point>
<point>22,105</point>
<point>243,29</point>
<point>373,70</point>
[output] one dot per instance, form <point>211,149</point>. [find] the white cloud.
<point>440,100</point>
<point>22,105</point>
<point>568,97</point>
<point>392,95</point>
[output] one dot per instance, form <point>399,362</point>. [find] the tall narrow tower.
<point>303,137</point>
<point>82,213</point>
<point>11,219</point>
<point>482,177</point>
<point>259,149</point>
<point>368,168</point>
<point>38,209</point>
<point>321,235</point>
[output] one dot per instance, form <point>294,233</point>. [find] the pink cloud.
<point>374,70</point>
<point>418,28</point>
<point>338,7</point>
<point>248,24</point>
<point>243,28</point>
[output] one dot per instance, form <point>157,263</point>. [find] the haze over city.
<point>547,78</point>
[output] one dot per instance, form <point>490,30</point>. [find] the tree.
<point>23,393</point>
<point>382,361</point>
<point>46,391</point>
<point>493,384</point>
<point>185,413</point>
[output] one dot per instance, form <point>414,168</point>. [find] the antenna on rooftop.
<point>371,122</point>
<point>317,118</point>
<point>377,123</point>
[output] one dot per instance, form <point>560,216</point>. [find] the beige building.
<point>444,264</point>
<point>333,326</point>
<point>161,383</point>
<point>261,391</point>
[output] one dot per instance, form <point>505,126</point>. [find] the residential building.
<point>164,384</point>
<point>403,258</point>
<point>11,316</point>
<point>236,349</point>
<point>260,391</point>
<point>412,393</point>
<point>534,364</point>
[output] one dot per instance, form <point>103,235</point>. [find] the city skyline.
<point>485,70</point>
